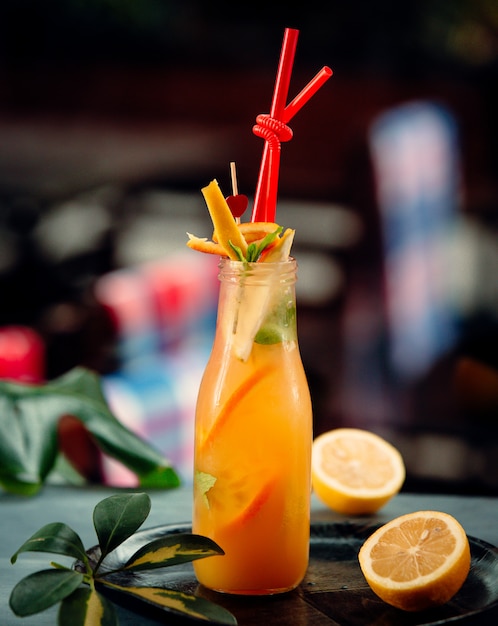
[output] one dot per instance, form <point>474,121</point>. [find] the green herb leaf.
<point>203,482</point>
<point>87,607</point>
<point>57,538</point>
<point>41,590</point>
<point>269,334</point>
<point>182,603</point>
<point>280,325</point>
<point>29,416</point>
<point>172,550</point>
<point>116,518</point>
<point>238,251</point>
<point>266,241</point>
<point>254,251</point>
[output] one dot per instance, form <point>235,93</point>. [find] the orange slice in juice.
<point>230,405</point>
<point>234,497</point>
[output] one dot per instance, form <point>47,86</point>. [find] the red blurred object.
<point>22,354</point>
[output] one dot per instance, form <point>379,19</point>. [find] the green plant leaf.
<point>87,607</point>
<point>29,416</point>
<point>172,550</point>
<point>178,602</point>
<point>116,518</point>
<point>41,590</point>
<point>57,538</point>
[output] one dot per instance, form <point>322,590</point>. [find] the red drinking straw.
<point>265,200</point>
<point>303,96</point>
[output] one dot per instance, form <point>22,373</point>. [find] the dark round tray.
<point>333,593</point>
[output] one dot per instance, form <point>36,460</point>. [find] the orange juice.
<point>253,437</point>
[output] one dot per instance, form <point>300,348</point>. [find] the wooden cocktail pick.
<point>237,202</point>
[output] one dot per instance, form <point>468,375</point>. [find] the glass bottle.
<point>253,436</point>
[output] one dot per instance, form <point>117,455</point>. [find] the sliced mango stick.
<point>223,221</point>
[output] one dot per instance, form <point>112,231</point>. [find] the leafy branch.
<point>79,588</point>
<point>29,417</point>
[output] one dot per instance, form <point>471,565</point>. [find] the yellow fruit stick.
<point>224,222</point>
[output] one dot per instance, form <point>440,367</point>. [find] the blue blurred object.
<point>415,156</point>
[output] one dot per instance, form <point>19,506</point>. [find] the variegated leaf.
<point>87,607</point>
<point>172,550</point>
<point>179,602</point>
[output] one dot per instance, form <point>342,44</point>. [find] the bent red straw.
<point>272,127</point>
<point>303,96</point>
<point>265,198</point>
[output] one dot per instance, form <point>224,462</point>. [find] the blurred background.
<point>113,115</point>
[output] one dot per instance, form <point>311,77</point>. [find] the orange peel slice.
<point>201,244</point>
<point>254,231</point>
<point>231,403</point>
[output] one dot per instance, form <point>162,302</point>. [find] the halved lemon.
<point>416,561</point>
<point>355,471</point>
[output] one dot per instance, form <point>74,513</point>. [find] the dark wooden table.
<point>20,518</point>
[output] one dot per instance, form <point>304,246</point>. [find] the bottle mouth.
<point>257,273</point>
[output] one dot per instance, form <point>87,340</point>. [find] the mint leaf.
<point>237,251</point>
<point>266,241</point>
<point>204,482</point>
<point>268,335</point>
<point>254,251</point>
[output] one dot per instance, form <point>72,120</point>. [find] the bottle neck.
<point>282,273</point>
<point>257,304</point>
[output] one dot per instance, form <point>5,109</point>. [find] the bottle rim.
<point>231,270</point>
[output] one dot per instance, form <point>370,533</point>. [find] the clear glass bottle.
<point>253,436</point>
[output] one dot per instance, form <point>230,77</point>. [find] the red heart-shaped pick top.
<point>238,204</point>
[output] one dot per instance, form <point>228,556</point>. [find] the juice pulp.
<point>252,468</point>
